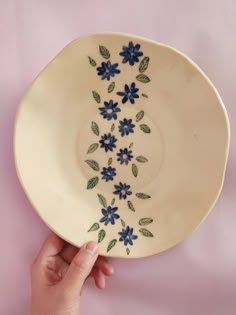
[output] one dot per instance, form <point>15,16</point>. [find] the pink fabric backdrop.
<point>196,277</point>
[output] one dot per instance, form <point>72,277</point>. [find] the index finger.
<point>52,246</point>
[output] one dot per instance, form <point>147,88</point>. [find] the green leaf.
<point>92,182</point>
<point>96,96</point>
<point>130,205</point>
<point>112,127</point>
<point>111,87</point>
<point>144,64</point>
<point>145,221</point>
<point>92,61</point>
<point>111,245</point>
<point>143,78</point>
<point>93,164</point>
<point>134,170</point>
<point>102,200</point>
<point>141,159</point>
<point>109,161</point>
<point>113,201</point>
<point>139,115</point>
<point>93,147</point>
<point>101,235</point>
<point>145,128</point>
<point>127,251</point>
<point>131,144</point>
<point>142,196</point>
<point>95,128</point>
<point>144,95</point>
<point>122,222</point>
<point>104,52</point>
<point>94,227</point>
<point>145,232</point>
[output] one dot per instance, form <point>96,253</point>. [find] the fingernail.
<point>92,247</point>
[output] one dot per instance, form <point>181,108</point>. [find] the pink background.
<point>196,277</point>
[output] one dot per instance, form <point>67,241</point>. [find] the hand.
<point>58,275</point>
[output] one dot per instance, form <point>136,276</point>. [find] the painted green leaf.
<point>122,222</point>
<point>113,201</point>
<point>102,200</point>
<point>130,205</point>
<point>134,170</point>
<point>112,127</point>
<point>144,95</point>
<point>104,52</point>
<point>93,164</point>
<point>92,182</point>
<point>95,128</point>
<point>143,78</point>
<point>111,87</point>
<point>96,96</point>
<point>145,221</point>
<point>146,232</point>
<point>92,61</point>
<point>141,159</point>
<point>144,64</point>
<point>131,144</point>
<point>139,115</point>
<point>127,251</point>
<point>143,196</point>
<point>93,147</point>
<point>101,235</point>
<point>94,227</point>
<point>111,245</point>
<point>109,161</point>
<point>145,128</point>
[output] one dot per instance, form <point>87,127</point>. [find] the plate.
<point>122,140</point>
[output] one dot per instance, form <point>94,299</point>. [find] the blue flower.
<point>108,142</point>
<point>130,93</point>
<point>126,127</point>
<point>126,236</point>
<point>108,173</point>
<point>109,215</point>
<point>107,70</point>
<point>122,190</point>
<point>110,110</point>
<point>131,53</point>
<point>124,156</point>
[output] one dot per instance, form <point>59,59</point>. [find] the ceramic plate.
<point>122,140</point>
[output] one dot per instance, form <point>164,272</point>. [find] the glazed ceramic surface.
<point>124,141</point>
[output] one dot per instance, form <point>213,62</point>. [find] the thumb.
<point>80,268</point>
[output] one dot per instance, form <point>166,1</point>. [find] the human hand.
<point>58,274</point>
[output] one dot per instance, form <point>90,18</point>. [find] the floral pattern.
<point>127,236</point>
<point>111,141</point>
<point>131,53</point>
<point>129,93</point>
<point>126,127</point>
<point>109,215</point>
<point>124,156</point>
<point>123,190</point>
<point>110,110</point>
<point>107,70</point>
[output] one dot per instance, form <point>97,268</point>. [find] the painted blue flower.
<point>108,173</point>
<point>109,215</point>
<point>108,142</point>
<point>129,94</point>
<point>107,70</point>
<point>126,127</point>
<point>126,236</point>
<point>122,190</point>
<point>131,53</point>
<point>110,110</point>
<point>124,156</point>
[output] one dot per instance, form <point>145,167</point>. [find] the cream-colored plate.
<point>123,140</point>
